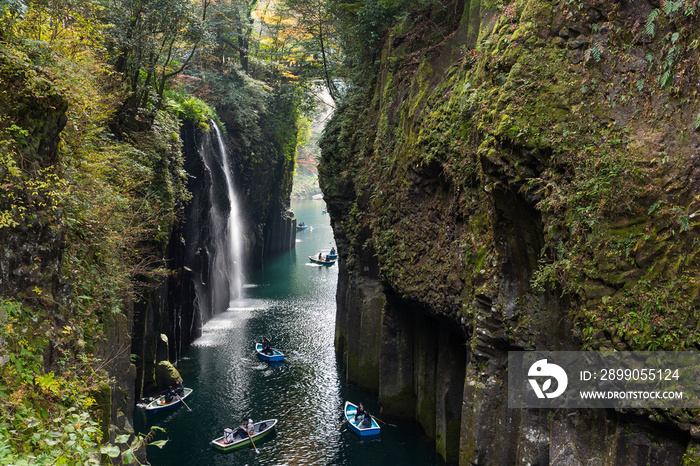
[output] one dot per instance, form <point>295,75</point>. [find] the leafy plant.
<point>131,446</point>
<point>45,418</point>
<point>192,109</point>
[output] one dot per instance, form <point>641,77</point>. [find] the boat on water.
<point>159,404</point>
<point>302,226</point>
<point>274,357</point>
<point>356,426</point>
<point>227,443</point>
<point>331,257</point>
<point>316,260</point>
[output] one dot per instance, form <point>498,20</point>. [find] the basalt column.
<point>451,363</point>
<point>417,351</point>
<point>366,303</point>
<point>396,372</point>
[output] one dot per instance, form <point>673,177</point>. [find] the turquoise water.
<point>291,302</point>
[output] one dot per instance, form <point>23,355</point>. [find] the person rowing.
<point>360,414</point>
<point>267,346</point>
<point>245,429</point>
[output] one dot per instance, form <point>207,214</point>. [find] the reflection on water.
<point>292,303</point>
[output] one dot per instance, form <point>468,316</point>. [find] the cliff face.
<point>39,270</point>
<point>515,179</point>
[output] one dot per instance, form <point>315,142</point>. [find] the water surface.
<point>291,302</point>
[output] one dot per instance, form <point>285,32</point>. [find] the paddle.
<point>183,402</point>
<point>392,425</point>
<point>253,443</point>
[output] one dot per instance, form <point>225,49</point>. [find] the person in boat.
<point>333,251</point>
<point>367,421</point>
<point>320,256</point>
<point>266,346</point>
<point>229,436</point>
<point>360,414</point>
<point>245,429</point>
<point>169,394</point>
<point>180,390</point>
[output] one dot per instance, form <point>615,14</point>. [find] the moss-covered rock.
<point>167,375</point>
<point>534,189</point>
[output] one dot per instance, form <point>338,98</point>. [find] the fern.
<point>697,121</point>
<point>672,7</point>
<point>650,26</point>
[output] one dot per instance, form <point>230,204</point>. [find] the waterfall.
<point>226,275</point>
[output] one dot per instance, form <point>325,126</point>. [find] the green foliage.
<point>151,43</point>
<point>232,24</point>
<point>241,101</point>
<point>108,192</point>
<point>192,109</point>
<point>44,417</point>
<point>650,27</point>
<point>111,204</point>
<point>131,445</point>
<point>679,38</point>
<point>363,25</point>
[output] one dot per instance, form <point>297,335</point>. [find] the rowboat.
<point>331,257</point>
<point>302,226</point>
<point>316,260</point>
<point>261,429</point>
<point>274,357</point>
<point>355,426</point>
<point>159,404</point>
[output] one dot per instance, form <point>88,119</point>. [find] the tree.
<point>232,23</point>
<point>316,26</point>
<point>153,41</point>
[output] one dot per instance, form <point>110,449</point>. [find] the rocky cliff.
<point>519,177</point>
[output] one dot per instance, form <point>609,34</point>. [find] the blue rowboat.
<point>260,429</point>
<point>274,357</point>
<point>159,404</point>
<point>356,426</point>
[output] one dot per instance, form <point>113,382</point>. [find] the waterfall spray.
<point>234,233</point>
<point>226,275</point>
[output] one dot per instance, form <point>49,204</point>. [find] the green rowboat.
<point>260,429</point>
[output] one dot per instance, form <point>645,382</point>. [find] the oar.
<point>253,443</point>
<point>392,425</point>
<point>183,402</point>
